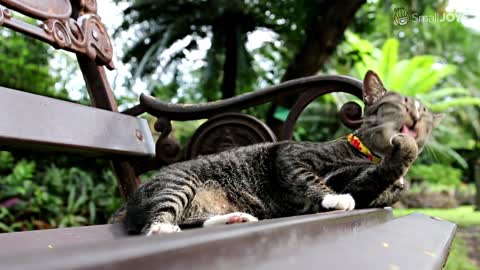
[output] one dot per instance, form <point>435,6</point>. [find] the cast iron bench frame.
<point>361,238</point>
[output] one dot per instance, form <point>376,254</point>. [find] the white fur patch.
<point>227,218</point>
<point>417,108</point>
<point>339,202</point>
<point>161,228</point>
<point>400,182</point>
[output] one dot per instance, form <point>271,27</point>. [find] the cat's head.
<point>389,113</point>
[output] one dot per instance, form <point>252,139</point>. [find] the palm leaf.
<point>389,58</point>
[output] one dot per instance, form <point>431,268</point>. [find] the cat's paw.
<point>405,144</point>
<point>162,228</point>
<point>401,183</point>
<point>338,202</point>
<point>227,219</point>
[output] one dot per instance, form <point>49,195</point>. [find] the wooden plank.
<point>70,245</point>
<point>361,239</point>
<point>36,122</point>
<point>45,240</point>
<point>54,239</point>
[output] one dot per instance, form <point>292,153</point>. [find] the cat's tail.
<point>118,216</point>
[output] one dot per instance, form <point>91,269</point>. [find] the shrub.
<point>39,197</point>
<point>436,174</point>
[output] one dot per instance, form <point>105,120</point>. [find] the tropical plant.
<point>168,32</point>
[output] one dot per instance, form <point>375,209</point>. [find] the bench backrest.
<point>37,122</point>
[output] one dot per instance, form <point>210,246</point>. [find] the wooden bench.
<point>364,239</point>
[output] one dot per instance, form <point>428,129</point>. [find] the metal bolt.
<point>95,34</point>
<point>139,135</point>
<point>7,13</point>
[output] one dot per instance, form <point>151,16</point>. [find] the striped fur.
<point>289,178</point>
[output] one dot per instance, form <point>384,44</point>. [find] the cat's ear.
<point>437,118</point>
<point>373,88</point>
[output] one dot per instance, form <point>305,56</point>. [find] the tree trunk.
<point>229,81</point>
<point>323,33</point>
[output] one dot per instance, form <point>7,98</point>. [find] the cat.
<point>270,180</point>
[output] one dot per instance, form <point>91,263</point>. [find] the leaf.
<point>454,102</point>
<point>71,198</point>
<point>443,93</point>
<point>447,152</point>
<point>389,58</point>
<point>429,79</point>
<point>4,227</point>
<point>92,209</point>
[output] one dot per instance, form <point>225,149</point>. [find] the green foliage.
<point>45,197</point>
<point>436,174</point>
<point>458,258</point>
<point>167,32</point>
<point>463,216</point>
<point>24,65</point>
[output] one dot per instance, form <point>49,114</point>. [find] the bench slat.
<point>361,239</point>
<point>36,122</point>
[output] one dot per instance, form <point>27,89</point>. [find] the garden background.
<point>197,51</point>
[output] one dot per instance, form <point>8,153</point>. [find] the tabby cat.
<point>269,180</point>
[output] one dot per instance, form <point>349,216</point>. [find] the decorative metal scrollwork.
<point>42,10</point>
<point>167,149</point>
<point>351,115</point>
<point>88,6</point>
<point>4,15</point>
<point>226,131</point>
<point>86,35</point>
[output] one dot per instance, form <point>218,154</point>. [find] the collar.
<point>357,144</point>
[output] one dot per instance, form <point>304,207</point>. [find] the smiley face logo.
<point>400,16</point>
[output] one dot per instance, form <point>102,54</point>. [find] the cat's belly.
<point>210,201</point>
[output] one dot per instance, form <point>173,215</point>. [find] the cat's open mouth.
<point>409,130</point>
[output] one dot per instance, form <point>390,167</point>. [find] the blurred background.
<point>197,51</point>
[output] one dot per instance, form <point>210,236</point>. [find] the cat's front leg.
<point>296,171</point>
<point>318,191</point>
<point>306,184</point>
<point>374,182</point>
<point>392,194</point>
<point>338,202</point>
<point>404,151</point>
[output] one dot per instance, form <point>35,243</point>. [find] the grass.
<point>464,217</point>
<point>458,258</point>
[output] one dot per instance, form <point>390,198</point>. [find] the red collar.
<point>357,144</point>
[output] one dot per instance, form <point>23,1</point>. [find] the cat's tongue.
<point>408,131</point>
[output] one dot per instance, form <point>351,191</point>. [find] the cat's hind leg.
<point>157,207</point>
<point>217,220</point>
<point>228,219</point>
<point>161,228</point>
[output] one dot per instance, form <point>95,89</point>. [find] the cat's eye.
<point>405,99</point>
<point>424,109</point>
